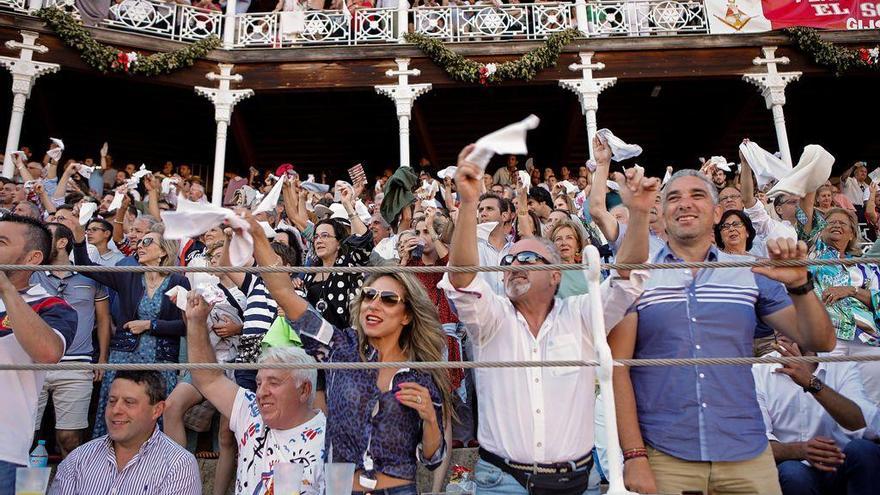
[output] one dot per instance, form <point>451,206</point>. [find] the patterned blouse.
<point>368,426</point>
<point>852,319</point>
<point>332,295</point>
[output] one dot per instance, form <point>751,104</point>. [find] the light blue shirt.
<point>701,413</point>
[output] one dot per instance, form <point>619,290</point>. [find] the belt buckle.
<point>534,468</point>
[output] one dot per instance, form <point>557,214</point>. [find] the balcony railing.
<point>454,23</point>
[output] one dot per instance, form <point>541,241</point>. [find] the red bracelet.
<point>634,453</point>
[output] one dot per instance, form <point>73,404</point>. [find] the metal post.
<point>224,99</point>
<point>580,13</point>
<point>588,89</point>
<point>404,95</point>
<point>402,20</point>
<point>25,72</point>
<point>772,87</point>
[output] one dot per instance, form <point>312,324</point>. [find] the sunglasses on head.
<point>388,297</point>
<point>524,258</point>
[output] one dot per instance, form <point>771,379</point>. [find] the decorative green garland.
<point>468,71</point>
<point>827,54</point>
<point>105,58</point>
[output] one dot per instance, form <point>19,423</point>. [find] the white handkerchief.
<point>387,248</point>
<point>812,170</point>
<point>117,201</point>
<point>569,187</point>
<point>268,230</point>
<point>620,150</point>
<point>524,178</point>
<point>507,140</point>
<point>362,211</point>
<point>484,229</point>
<point>180,296</point>
<point>614,186</point>
<point>875,176</point>
<point>591,165</point>
<point>765,165</point>
<point>315,187</point>
<point>667,177</point>
<point>193,219</point>
<point>430,203</point>
<point>271,200</point>
<point>169,184</point>
<point>447,173</point>
<point>87,211</point>
<point>55,154</point>
<point>337,196</point>
<point>84,170</point>
<point>17,152</point>
<point>721,163</point>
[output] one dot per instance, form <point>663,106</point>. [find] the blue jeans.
<point>857,475</point>
<point>7,477</point>
<point>398,490</point>
<point>492,481</point>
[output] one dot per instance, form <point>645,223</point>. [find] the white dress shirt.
<point>489,256</point>
<point>766,226</point>
<point>792,415</point>
<point>539,415</point>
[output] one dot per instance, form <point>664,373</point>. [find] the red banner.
<point>726,16</point>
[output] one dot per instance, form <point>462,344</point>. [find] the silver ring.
<point>419,399</point>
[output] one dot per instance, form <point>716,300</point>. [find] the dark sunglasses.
<point>146,241</point>
<point>388,297</point>
<point>524,258</point>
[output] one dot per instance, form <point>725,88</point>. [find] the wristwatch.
<point>802,289</point>
<point>815,385</point>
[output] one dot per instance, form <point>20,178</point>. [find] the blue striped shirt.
<point>701,413</point>
<point>161,467</point>
<point>259,313</point>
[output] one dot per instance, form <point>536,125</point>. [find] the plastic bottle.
<point>39,456</point>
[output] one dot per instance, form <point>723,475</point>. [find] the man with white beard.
<point>530,440</point>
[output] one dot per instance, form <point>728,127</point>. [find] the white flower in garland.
<point>491,68</point>
<point>132,58</point>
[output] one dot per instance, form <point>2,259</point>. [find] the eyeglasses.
<point>146,241</point>
<point>388,297</point>
<point>730,225</point>
<point>524,258</point>
<point>837,223</point>
<point>324,236</point>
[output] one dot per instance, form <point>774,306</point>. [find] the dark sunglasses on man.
<point>524,258</point>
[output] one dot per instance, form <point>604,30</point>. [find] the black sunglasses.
<point>388,297</point>
<point>524,258</point>
<point>146,241</point>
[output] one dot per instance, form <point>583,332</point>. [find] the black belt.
<point>536,468</point>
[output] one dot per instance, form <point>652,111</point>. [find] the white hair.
<point>293,355</point>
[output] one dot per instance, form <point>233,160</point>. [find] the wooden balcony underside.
<point>359,67</point>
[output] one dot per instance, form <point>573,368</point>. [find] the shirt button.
<point>537,380</point>
<point>697,346</point>
<point>693,319</point>
<point>704,405</point>
<point>538,411</point>
<point>540,444</point>
<point>535,350</point>
<point>702,375</point>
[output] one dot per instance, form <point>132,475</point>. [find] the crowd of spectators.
<point>793,428</point>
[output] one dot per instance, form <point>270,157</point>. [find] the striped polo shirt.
<point>701,413</point>
<point>161,466</point>
<point>259,313</point>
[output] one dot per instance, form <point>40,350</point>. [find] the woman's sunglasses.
<point>146,241</point>
<point>524,258</point>
<point>388,297</point>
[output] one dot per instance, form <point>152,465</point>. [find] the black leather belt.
<point>536,468</point>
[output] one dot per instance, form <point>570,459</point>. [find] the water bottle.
<point>40,456</point>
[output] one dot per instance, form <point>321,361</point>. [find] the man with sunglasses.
<point>71,390</point>
<point>536,424</point>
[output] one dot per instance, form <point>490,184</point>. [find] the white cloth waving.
<point>620,150</point>
<point>813,169</point>
<point>193,219</point>
<point>507,140</point>
<point>766,166</point>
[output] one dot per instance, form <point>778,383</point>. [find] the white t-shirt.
<point>260,448</point>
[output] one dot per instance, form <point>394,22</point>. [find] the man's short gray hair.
<point>293,355</point>
<point>689,172</point>
<point>552,250</point>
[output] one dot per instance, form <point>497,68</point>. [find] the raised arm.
<point>31,332</point>
<point>61,190</point>
<point>348,199</point>
<point>22,167</point>
<point>213,384</point>
<point>639,195</point>
<point>153,185</point>
<point>119,219</point>
<point>806,320</point>
<point>598,211</point>
<point>463,251</point>
<point>747,182</point>
<point>279,284</point>
<point>236,277</point>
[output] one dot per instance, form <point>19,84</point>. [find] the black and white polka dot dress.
<point>331,297</point>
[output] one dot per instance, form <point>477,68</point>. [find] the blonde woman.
<point>151,325</point>
<point>570,240</point>
<point>386,421</point>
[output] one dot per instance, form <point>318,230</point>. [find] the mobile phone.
<point>418,251</point>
